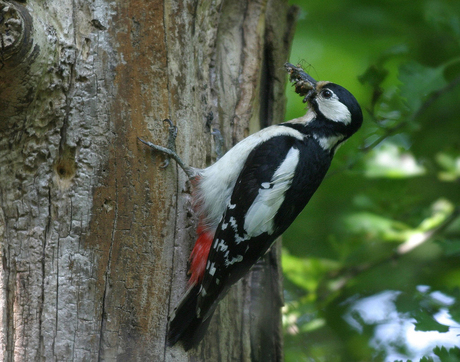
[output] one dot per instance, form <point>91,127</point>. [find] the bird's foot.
<point>170,150</point>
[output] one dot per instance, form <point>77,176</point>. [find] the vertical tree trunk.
<point>94,236</point>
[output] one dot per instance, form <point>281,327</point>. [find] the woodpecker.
<point>253,193</point>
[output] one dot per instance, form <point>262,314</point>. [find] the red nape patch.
<point>199,255</point>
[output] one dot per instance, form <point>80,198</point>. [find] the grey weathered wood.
<point>94,236</point>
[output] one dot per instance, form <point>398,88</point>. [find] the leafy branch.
<point>344,275</point>
<point>390,131</point>
<point>425,105</point>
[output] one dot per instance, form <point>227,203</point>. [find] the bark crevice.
<point>106,286</point>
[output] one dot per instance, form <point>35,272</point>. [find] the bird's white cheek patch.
<point>334,110</point>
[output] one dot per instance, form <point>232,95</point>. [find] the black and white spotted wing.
<point>263,204</point>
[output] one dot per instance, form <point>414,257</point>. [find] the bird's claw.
<point>171,146</point>
<point>167,120</point>
<point>165,163</point>
<point>170,150</point>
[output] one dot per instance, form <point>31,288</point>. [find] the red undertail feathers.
<point>200,253</point>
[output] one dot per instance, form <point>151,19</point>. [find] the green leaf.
<point>306,272</point>
<point>374,76</point>
<point>426,359</point>
<point>443,17</point>
<point>451,166</point>
<point>426,322</point>
<point>391,161</point>
<point>454,309</point>
<point>446,161</point>
<point>375,226</point>
<point>450,247</point>
<point>419,82</point>
<point>445,355</point>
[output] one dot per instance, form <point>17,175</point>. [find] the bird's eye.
<point>326,94</point>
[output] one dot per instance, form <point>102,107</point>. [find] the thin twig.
<point>404,248</point>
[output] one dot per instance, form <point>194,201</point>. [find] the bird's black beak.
<point>304,84</point>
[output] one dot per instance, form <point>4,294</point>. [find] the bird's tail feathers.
<point>184,325</point>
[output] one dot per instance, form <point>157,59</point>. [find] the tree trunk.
<point>95,236</point>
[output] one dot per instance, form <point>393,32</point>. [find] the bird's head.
<point>336,110</point>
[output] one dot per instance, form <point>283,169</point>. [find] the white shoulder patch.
<point>259,218</point>
<point>328,143</point>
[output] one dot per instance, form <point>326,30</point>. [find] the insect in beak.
<point>304,84</point>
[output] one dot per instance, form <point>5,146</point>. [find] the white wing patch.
<point>212,271</point>
<point>237,259</point>
<point>259,218</point>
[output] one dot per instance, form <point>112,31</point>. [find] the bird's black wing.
<point>276,182</point>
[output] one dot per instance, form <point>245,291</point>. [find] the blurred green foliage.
<point>372,265</point>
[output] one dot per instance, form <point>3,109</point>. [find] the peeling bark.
<point>94,236</point>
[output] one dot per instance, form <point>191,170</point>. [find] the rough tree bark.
<point>94,236</point>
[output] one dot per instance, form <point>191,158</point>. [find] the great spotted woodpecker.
<point>253,193</point>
